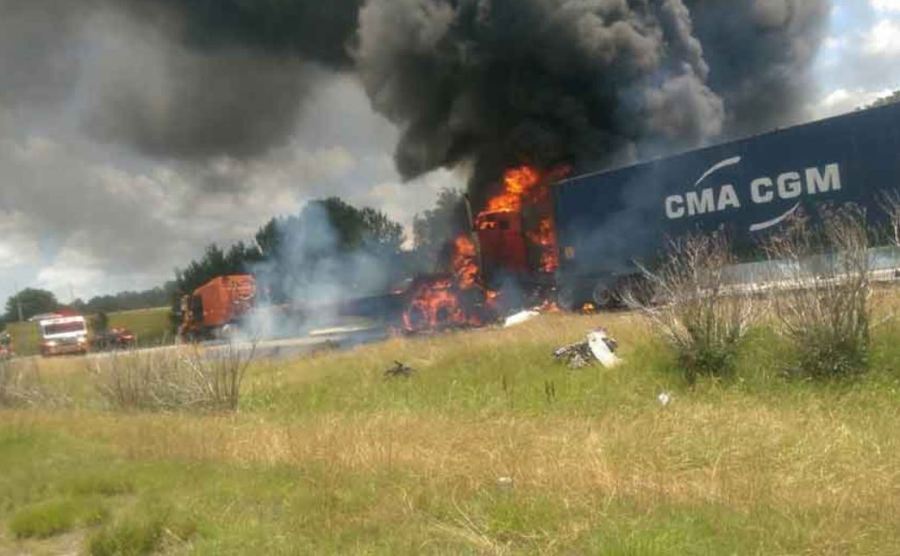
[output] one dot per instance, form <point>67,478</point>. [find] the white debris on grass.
<point>603,347</point>
<point>520,318</point>
<point>665,399</point>
<point>598,347</point>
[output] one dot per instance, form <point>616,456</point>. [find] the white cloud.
<point>72,274</point>
<point>883,39</point>
<point>841,101</point>
<point>891,6</point>
<point>18,246</point>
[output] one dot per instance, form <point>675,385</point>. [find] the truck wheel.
<point>605,296</point>
<point>572,298</point>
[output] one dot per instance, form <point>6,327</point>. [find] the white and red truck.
<point>63,335</point>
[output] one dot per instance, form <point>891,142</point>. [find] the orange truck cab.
<point>216,305</point>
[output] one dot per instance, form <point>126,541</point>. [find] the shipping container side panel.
<point>748,188</point>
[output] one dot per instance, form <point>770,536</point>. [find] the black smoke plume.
<point>760,52</point>
<point>485,83</point>
<point>312,29</point>
<point>583,82</point>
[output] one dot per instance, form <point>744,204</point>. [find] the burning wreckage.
<point>521,93</point>
<point>507,261</point>
<point>575,241</point>
<point>510,258</point>
<point>547,239</point>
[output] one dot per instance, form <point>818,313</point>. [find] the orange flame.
<point>435,305</point>
<point>448,300</point>
<point>517,182</point>
<point>465,265</point>
<point>545,238</point>
<point>438,302</point>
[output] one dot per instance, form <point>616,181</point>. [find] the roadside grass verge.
<point>474,454</point>
<point>697,480</point>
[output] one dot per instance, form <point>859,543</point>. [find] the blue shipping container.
<point>608,220</point>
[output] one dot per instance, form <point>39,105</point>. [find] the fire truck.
<point>213,308</point>
<point>63,335</point>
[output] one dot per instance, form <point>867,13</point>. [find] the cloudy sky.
<point>83,212</point>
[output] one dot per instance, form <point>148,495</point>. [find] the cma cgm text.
<point>787,186</point>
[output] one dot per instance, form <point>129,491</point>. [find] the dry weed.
<point>174,379</point>
<point>823,304</point>
<point>690,304</point>
<point>21,385</point>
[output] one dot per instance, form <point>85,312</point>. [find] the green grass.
<point>26,337</point>
<point>44,519</point>
<point>326,456</point>
<point>152,326</point>
<point>144,530</point>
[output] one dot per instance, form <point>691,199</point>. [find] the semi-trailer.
<point>607,222</point>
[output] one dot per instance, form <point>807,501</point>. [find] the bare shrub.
<point>689,302</point>
<point>21,385</point>
<point>824,287</point>
<point>188,378</point>
<point>890,203</point>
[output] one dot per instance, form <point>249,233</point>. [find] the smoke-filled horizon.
<point>482,84</point>
<point>201,119</point>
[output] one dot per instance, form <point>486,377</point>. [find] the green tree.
<point>32,302</point>
<point>327,237</point>
<point>216,262</point>
<point>331,242</point>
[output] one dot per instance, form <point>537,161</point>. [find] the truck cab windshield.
<point>63,328</point>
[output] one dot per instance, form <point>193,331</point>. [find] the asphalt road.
<point>326,339</point>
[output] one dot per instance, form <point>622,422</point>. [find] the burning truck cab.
<point>517,234</point>
<point>517,245</point>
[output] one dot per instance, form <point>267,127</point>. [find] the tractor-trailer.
<point>606,221</point>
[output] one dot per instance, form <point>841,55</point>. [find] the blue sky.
<point>860,60</point>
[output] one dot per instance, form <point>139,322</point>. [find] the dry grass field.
<point>490,447</point>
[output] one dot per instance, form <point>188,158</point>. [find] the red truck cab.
<point>519,244</point>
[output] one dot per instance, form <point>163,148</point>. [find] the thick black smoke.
<point>234,74</point>
<point>318,30</point>
<point>36,64</point>
<point>588,82</point>
<point>760,52</point>
<point>483,82</point>
<point>542,81</point>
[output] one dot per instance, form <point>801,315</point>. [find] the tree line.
<point>329,240</point>
<point>331,243</point>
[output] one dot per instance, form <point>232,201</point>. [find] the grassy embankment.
<point>327,456</point>
<point>152,327</point>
